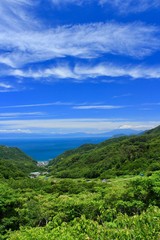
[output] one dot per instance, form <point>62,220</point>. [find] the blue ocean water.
<point>47,149</point>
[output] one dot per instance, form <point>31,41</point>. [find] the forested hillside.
<point>118,156</point>
<point>14,163</point>
<point>122,207</point>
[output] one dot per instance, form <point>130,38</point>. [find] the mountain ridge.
<point>113,157</point>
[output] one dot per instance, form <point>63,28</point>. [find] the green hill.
<point>114,157</point>
<point>14,163</point>
<point>154,131</point>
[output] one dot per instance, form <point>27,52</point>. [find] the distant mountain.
<point>113,157</point>
<point>105,134</point>
<point>126,131</point>
<point>70,135</point>
<point>14,163</point>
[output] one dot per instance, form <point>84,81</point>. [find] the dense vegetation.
<point>77,209</point>
<point>114,157</point>
<point>122,207</point>
<point>14,163</point>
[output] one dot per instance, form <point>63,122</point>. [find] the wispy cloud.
<point>5,85</point>
<point>107,107</point>
<point>111,70</point>
<point>82,72</point>
<point>25,40</point>
<point>15,131</point>
<point>20,114</point>
<point>38,105</point>
<point>59,71</point>
<point>82,41</point>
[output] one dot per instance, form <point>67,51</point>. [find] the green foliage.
<point>140,227</point>
<point>80,209</point>
<point>8,204</point>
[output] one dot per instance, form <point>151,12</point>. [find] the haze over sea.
<point>45,149</point>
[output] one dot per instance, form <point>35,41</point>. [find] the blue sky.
<point>71,66</point>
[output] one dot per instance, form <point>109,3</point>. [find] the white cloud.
<point>25,40</point>
<point>60,71</point>
<point>26,131</point>
<point>38,105</point>
<point>82,41</point>
<point>5,85</point>
<point>86,107</point>
<point>75,125</point>
<point>82,72</point>
<point>109,70</point>
<point>20,114</point>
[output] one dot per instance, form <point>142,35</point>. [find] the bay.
<point>45,149</point>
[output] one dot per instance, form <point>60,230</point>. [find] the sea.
<point>45,149</point>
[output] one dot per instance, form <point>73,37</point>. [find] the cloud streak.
<point>38,105</point>
<point>5,85</point>
<point>83,72</point>
<point>15,131</point>
<point>20,114</point>
<point>100,107</point>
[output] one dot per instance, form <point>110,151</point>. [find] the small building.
<point>104,180</point>
<point>34,174</point>
<point>42,164</point>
